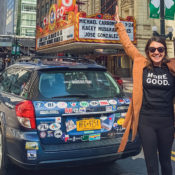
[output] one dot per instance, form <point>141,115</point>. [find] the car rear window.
<point>93,84</point>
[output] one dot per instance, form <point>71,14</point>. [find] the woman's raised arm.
<point>129,47</point>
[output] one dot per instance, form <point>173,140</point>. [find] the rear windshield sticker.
<point>79,82</point>
<point>127,101</point>
<point>84,104</point>
<point>70,125</point>
<point>42,134</point>
<point>103,102</point>
<point>73,104</point>
<point>50,133</point>
<point>68,110</point>
<point>121,101</point>
<point>75,110</point>
<point>109,108</point>
<point>58,134</point>
<point>120,121</point>
<point>113,102</point>
<point>107,124</point>
<point>58,120</point>
<point>49,112</point>
<point>62,104</point>
<point>103,118</point>
<point>82,109</point>
<point>54,126</point>
<point>43,127</point>
<point>39,105</point>
<point>94,103</point>
<point>50,105</point>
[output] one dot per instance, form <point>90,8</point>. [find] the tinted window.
<point>95,84</point>
<point>7,78</point>
<point>14,81</point>
<point>18,87</point>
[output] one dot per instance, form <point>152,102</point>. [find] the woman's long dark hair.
<point>159,40</point>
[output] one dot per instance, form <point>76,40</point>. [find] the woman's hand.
<point>117,14</point>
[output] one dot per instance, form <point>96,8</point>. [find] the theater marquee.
<point>72,27</point>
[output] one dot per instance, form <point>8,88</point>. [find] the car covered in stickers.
<point>63,112</point>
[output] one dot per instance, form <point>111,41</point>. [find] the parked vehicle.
<point>61,113</point>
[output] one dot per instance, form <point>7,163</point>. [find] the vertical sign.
<point>154,6</point>
<point>169,9</point>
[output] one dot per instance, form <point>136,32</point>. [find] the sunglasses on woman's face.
<point>159,49</point>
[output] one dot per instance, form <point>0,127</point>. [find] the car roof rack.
<point>61,59</point>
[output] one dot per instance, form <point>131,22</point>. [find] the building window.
<point>47,8</point>
<point>108,6</point>
<point>28,32</point>
<point>42,11</point>
<point>28,8</point>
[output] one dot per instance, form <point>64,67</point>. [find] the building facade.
<point>3,16</point>
<point>140,10</point>
<point>18,17</point>
<point>26,24</point>
<point>11,17</point>
<point>43,7</point>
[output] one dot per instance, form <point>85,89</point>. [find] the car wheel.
<point>4,161</point>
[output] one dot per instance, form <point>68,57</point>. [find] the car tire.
<point>4,161</point>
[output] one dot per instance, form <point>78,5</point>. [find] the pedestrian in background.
<point>151,109</point>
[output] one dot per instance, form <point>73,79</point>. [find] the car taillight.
<point>120,82</point>
<point>26,114</point>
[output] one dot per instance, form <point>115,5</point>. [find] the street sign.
<point>15,50</point>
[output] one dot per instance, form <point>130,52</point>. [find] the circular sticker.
<point>120,121</point>
<point>55,126</point>
<point>62,104</point>
<point>121,101</point>
<point>94,103</point>
<point>50,105</point>
<point>113,102</point>
<point>43,127</point>
<point>58,133</point>
<point>84,104</point>
<point>42,134</point>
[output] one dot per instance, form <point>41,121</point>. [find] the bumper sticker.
<point>31,154</point>
<point>94,137</point>
<point>31,146</point>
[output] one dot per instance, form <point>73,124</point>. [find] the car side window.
<point>18,87</point>
<point>6,79</point>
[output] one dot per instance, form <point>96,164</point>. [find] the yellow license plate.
<point>88,124</point>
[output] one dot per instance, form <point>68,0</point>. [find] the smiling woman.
<point>151,110</point>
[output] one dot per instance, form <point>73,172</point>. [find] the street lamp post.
<point>162,24</point>
<point>162,19</point>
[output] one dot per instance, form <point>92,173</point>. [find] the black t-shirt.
<point>158,92</point>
